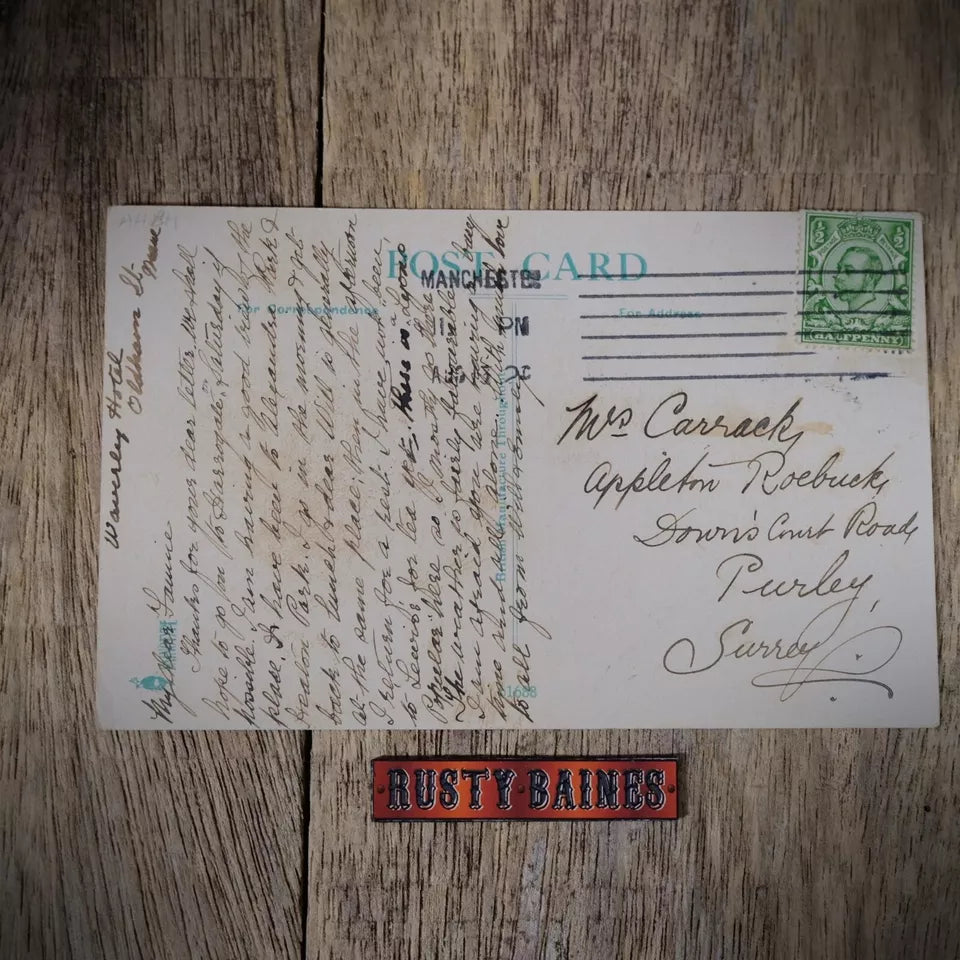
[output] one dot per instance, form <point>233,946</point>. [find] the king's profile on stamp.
<point>858,273</point>
<point>857,280</point>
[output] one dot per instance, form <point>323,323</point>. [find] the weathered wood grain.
<point>180,845</point>
<point>117,845</point>
<point>795,844</point>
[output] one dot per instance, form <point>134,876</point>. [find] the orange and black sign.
<point>525,788</point>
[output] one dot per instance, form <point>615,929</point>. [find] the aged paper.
<point>397,469</point>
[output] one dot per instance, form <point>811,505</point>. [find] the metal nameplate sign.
<point>525,788</point>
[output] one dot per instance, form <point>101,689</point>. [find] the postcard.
<point>397,469</point>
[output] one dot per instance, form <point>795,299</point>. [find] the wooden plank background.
<point>117,845</point>
<point>125,845</point>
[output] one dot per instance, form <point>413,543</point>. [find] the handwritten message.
<point>344,545</point>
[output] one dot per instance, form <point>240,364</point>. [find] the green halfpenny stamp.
<point>858,272</point>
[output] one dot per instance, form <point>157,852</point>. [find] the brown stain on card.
<point>820,427</point>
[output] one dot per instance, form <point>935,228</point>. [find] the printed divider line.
<point>700,356</point>
<point>691,293</point>
<point>681,336</point>
<point>888,331</point>
<point>689,315</point>
<point>885,330</point>
<point>685,316</point>
<point>734,273</point>
<point>715,293</point>
<point>859,313</point>
<point>853,374</point>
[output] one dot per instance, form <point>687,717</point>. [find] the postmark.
<point>858,273</point>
